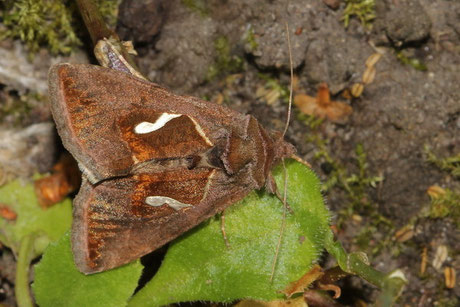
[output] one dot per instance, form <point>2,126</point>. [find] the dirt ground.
<point>235,52</point>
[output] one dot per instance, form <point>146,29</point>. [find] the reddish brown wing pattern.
<point>94,114</point>
<point>154,164</point>
<point>113,225</point>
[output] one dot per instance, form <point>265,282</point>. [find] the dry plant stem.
<point>25,255</point>
<point>93,20</point>
<point>98,29</point>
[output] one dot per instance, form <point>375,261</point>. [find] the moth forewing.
<point>137,145</point>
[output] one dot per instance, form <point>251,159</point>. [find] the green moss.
<point>355,183</point>
<point>15,109</point>
<point>225,62</point>
<point>109,10</point>
<point>310,121</point>
<point>47,23</point>
<point>449,164</point>
<point>444,201</point>
<point>273,84</point>
<point>450,301</point>
<point>363,9</point>
<point>364,240</point>
<point>37,23</point>
<point>446,205</point>
<point>251,39</point>
<point>198,6</point>
<point>411,61</point>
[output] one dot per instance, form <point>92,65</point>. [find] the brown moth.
<point>154,164</point>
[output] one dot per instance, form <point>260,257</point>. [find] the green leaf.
<point>59,283</point>
<point>198,266</point>
<point>45,224</point>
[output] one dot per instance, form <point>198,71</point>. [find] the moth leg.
<point>222,228</point>
<point>272,188</point>
<point>300,160</point>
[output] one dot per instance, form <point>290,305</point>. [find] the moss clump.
<point>40,22</point>
<point>198,6</point>
<point>411,61</point>
<point>273,89</point>
<point>109,10</point>
<point>355,183</point>
<point>446,204</point>
<point>250,38</point>
<point>225,62</point>
<point>47,23</point>
<point>449,164</point>
<point>310,121</point>
<point>15,109</point>
<point>363,9</point>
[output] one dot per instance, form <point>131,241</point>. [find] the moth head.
<point>282,148</point>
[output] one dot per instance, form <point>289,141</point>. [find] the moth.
<point>154,164</point>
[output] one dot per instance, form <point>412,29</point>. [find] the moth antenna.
<point>291,88</point>
<point>283,223</point>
